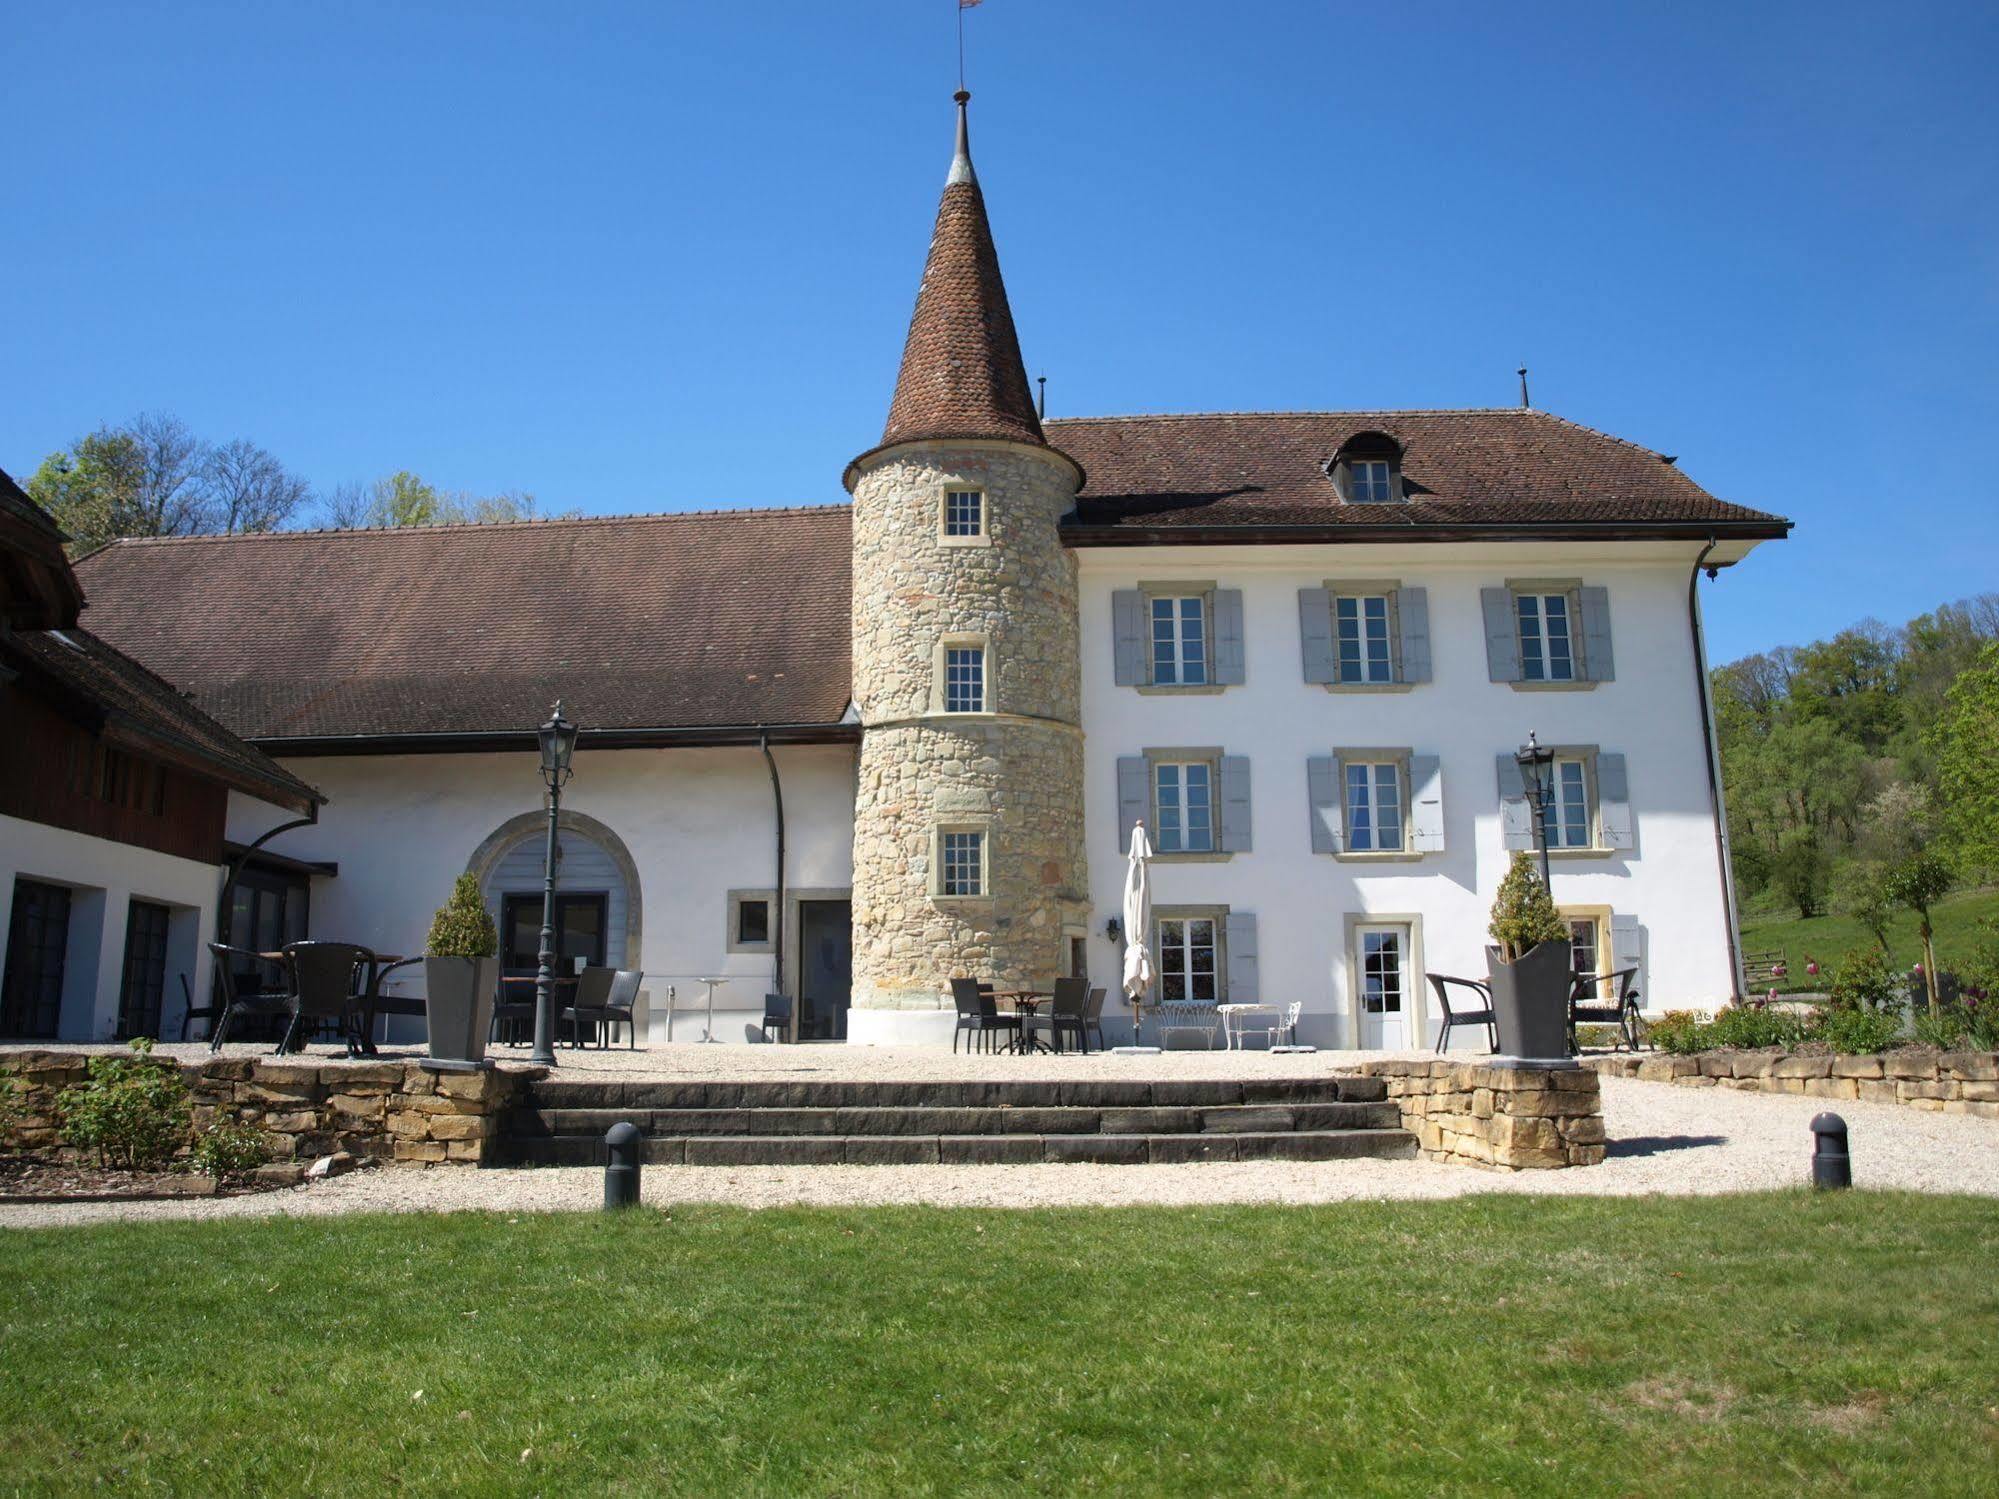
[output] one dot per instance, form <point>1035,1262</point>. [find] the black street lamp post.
<point>1534,765</point>
<point>558,744</point>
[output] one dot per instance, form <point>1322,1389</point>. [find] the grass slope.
<point>1761,1344</point>
<point>1956,922</point>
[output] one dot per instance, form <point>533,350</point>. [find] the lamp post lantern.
<point>558,745</point>
<point>1534,767</point>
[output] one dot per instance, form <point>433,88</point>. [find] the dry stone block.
<point>1971,1066</point>
<point>1856,1067</point>
<point>1831,1087</point>
<point>421,1151</point>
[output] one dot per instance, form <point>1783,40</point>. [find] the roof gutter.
<point>504,740</point>
<point>1137,535</point>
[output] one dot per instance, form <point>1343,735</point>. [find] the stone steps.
<point>971,1150</point>
<point>562,1122</point>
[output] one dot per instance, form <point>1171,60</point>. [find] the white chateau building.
<point>851,751</point>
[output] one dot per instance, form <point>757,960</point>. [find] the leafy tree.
<point>1801,870</point>
<point>91,488</point>
<point>1965,740</point>
<point>1919,882</point>
<point>404,499</point>
<point>1849,681</point>
<point>1858,891</point>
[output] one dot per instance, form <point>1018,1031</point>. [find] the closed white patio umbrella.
<point>1139,971</point>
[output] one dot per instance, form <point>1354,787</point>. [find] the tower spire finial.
<point>961,160</point>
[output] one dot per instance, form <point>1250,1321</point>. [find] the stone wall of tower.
<point>1016,771</point>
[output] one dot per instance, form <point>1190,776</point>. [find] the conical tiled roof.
<point>961,370</point>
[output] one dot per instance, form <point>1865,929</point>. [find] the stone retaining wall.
<point>1506,1118</point>
<point>394,1112</point>
<point>1952,1082</point>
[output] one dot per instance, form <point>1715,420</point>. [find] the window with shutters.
<point>1374,806</point>
<point>1589,942</point>
<point>1571,810</point>
<point>1178,639</point>
<point>1547,636</point>
<point>962,518</point>
<point>1365,634</point>
<point>1192,964</point>
<point>1183,806</point>
<point>960,864</point>
<point>1364,638</point>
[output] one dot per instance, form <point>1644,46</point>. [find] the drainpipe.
<point>777,905</point>
<point>1715,805</point>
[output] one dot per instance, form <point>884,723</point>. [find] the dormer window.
<point>1367,470</point>
<point>1368,482</point>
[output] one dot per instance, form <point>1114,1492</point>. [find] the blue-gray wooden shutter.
<point>1599,661</point>
<point>1128,636</point>
<point>1516,818</point>
<point>1426,804</point>
<point>1613,801</point>
<point>1235,804</point>
<point>1322,785</point>
<point>1412,608</point>
<point>1229,657</point>
<point>1245,988</point>
<point>1315,631</point>
<point>1502,638</point>
<point>1627,950</point>
<point>1134,797</point>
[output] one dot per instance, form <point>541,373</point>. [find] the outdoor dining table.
<point>1027,1004</point>
<point>1233,1016</point>
<point>369,1000</point>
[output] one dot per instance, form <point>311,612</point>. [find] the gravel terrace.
<point>1663,1139</point>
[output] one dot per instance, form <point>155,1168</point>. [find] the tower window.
<point>964,513</point>
<point>961,861</point>
<point>964,679</point>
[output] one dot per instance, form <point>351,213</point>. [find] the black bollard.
<point>621,1166</point>
<point>1832,1165</point>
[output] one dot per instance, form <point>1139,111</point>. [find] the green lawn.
<point>1782,1343</point>
<point>1826,937</point>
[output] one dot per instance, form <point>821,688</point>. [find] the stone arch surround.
<point>486,857</point>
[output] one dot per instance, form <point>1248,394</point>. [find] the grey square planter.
<point>458,1006</point>
<point>1530,1002</point>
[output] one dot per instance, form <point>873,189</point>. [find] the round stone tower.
<point>968,816</point>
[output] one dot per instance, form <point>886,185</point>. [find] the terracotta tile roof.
<point>1503,467</point>
<point>149,710</point>
<point>962,374</point>
<point>686,621</point>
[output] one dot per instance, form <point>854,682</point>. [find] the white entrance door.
<point>1382,966</point>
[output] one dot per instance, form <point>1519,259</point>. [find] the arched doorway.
<point>598,901</point>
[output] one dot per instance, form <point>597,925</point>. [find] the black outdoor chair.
<point>237,1001</point>
<point>1619,1009</point>
<point>979,1016</point>
<point>621,1006</point>
<point>587,1003</point>
<point>1440,983</point>
<point>377,1005</point>
<point>777,1016</point>
<point>1065,1015</point>
<point>193,1012</point>
<point>323,991</point>
<point>513,1008</point>
<point>1093,1019</point>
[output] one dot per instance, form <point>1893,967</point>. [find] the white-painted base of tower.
<point>901,1027</point>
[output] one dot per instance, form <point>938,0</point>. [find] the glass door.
<point>1382,964</point>
<point>37,938</point>
<point>145,983</point>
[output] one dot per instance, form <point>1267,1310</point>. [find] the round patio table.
<point>1027,1004</point>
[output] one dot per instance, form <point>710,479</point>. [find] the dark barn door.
<point>825,968</point>
<point>139,1002</point>
<point>37,937</point>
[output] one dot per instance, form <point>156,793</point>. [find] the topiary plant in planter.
<point>1529,966</point>
<point>460,975</point>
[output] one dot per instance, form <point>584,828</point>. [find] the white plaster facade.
<point>103,879</point>
<point>696,823</point>
<point>1670,879</point>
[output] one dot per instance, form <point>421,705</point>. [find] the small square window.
<point>1547,640</point>
<point>1369,482</point>
<point>1183,796</point>
<point>964,512</point>
<point>1179,640</point>
<point>961,863</point>
<point>964,679</point>
<point>752,921</point>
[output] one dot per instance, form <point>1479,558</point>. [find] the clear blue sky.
<point>661,256</point>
